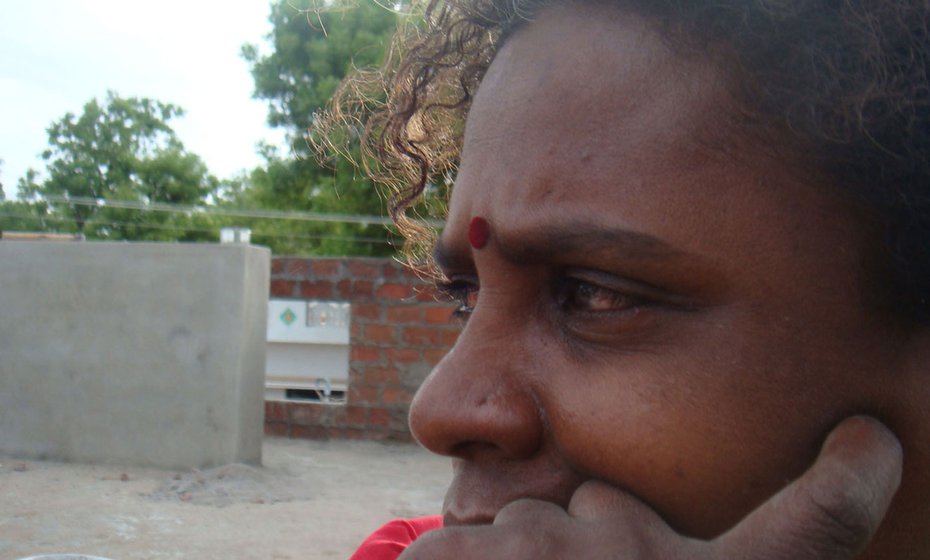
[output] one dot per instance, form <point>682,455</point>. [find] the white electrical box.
<point>308,350</point>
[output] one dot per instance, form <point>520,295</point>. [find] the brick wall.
<point>399,331</point>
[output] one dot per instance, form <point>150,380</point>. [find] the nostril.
<point>462,409</point>
<point>506,423</point>
<point>466,449</point>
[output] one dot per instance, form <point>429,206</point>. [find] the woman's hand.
<point>830,512</point>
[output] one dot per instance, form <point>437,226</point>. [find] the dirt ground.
<point>310,501</point>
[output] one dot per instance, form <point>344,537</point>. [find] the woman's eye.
<point>578,295</point>
<point>462,292</point>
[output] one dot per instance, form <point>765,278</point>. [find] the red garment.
<point>388,542</point>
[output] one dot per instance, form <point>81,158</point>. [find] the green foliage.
<point>121,150</point>
<point>298,185</point>
<point>19,215</point>
<point>24,215</point>
<point>312,52</point>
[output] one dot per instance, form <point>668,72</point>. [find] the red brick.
<point>357,332</point>
<point>433,357</point>
<point>381,376</point>
<point>403,355</point>
<point>283,288</point>
<point>401,437</point>
<point>309,432</point>
<point>337,416</point>
<point>356,416</point>
<point>399,419</point>
<point>408,273</point>
<point>366,310</point>
<point>396,396</point>
<point>427,294</point>
<point>375,434</point>
<point>297,267</point>
<point>422,336</point>
<point>379,417</point>
<point>404,314</point>
<point>348,433</point>
<point>357,374</point>
<point>344,289</point>
<point>325,268</point>
<point>361,269</point>
<point>362,289</point>
<point>449,338</point>
<point>394,291</point>
<point>277,429</point>
<point>275,411</point>
<point>365,354</point>
<point>363,394</point>
<point>438,315</point>
<point>378,333</point>
<point>277,266</point>
<point>306,414</point>
<point>317,290</point>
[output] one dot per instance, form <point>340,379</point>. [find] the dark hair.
<point>845,79</point>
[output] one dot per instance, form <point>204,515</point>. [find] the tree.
<point>125,150</point>
<point>284,184</point>
<point>312,52</point>
<point>24,215</point>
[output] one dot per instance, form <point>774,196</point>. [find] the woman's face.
<point>663,306</point>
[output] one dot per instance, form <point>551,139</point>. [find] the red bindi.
<point>478,232</point>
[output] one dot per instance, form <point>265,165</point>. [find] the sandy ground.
<point>311,500</point>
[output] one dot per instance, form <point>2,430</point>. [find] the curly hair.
<point>847,80</point>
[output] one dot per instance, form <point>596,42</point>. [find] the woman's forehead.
<point>582,97</point>
<point>622,138</point>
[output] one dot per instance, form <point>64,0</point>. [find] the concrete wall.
<point>135,353</point>
<point>400,328</point>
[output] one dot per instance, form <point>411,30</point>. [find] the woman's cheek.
<point>688,436</point>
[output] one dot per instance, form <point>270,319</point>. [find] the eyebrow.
<point>558,240</point>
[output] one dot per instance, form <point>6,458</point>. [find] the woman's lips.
<point>477,494</point>
<point>450,519</point>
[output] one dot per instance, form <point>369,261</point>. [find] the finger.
<point>833,510</point>
<point>527,509</point>
<point>596,499</point>
<point>450,543</point>
<point>522,529</point>
<point>634,525</point>
<point>517,539</point>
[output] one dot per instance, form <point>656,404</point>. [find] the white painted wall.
<point>135,353</point>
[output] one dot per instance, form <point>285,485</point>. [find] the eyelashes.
<point>571,295</point>
<point>462,292</point>
<point>577,295</point>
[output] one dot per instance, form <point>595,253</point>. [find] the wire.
<point>229,212</point>
<point>319,237</point>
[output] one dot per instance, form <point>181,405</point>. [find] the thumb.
<point>832,510</point>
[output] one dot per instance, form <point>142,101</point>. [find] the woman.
<point>690,244</point>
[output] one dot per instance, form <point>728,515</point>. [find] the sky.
<point>56,55</point>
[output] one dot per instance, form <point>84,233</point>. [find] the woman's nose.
<point>477,400</point>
